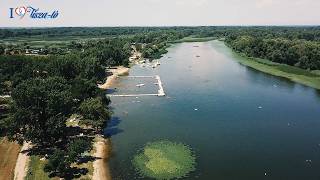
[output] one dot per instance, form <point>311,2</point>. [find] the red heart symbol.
<point>21,11</point>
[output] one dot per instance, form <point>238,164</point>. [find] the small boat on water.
<point>197,56</point>
<point>140,85</point>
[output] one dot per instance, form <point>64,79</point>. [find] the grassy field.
<point>305,77</point>
<point>8,156</point>
<point>35,170</point>
<point>194,39</point>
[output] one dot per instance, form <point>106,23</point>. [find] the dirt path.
<point>100,165</point>
<point>21,168</point>
<point>118,71</point>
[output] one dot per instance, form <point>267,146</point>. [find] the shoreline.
<point>118,71</point>
<point>102,154</point>
<point>275,70</point>
<point>102,145</point>
<point>291,73</point>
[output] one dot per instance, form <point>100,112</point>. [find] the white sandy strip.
<point>101,170</point>
<point>21,168</point>
<point>5,96</point>
<point>120,70</point>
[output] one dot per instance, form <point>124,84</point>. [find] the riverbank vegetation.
<point>289,52</point>
<point>297,52</point>
<point>308,78</point>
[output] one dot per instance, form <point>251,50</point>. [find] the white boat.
<point>140,85</point>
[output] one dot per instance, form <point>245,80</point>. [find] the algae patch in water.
<point>164,160</point>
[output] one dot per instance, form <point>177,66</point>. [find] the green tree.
<point>95,112</point>
<point>2,49</point>
<point>76,148</point>
<point>40,110</point>
<point>59,163</point>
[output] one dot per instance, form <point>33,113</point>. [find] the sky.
<point>164,12</point>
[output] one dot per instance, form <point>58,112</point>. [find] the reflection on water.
<point>241,123</point>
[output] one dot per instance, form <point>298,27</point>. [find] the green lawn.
<point>35,170</point>
<point>305,77</point>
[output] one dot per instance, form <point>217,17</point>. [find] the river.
<point>242,124</point>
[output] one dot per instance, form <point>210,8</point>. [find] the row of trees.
<point>153,44</point>
<point>298,52</point>
<point>82,31</point>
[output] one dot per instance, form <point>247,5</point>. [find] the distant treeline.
<point>81,31</point>
<point>298,52</point>
<point>294,32</point>
<point>296,46</point>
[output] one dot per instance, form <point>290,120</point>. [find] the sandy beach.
<point>116,71</point>
<point>102,154</point>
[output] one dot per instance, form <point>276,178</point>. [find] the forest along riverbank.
<point>294,74</point>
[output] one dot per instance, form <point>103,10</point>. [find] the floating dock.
<point>160,91</point>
